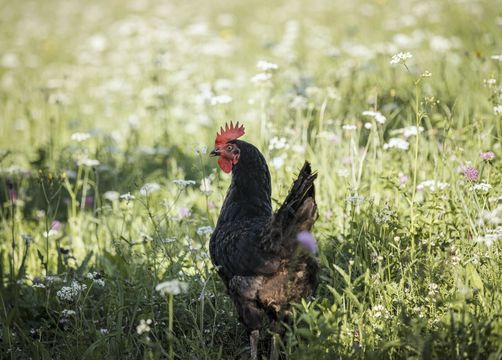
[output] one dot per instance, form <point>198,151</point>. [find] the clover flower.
<point>471,173</point>
<point>184,213</point>
<point>488,155</point>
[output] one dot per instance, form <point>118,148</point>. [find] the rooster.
<point>262,257</point>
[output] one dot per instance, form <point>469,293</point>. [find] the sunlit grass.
<point>107,113</point>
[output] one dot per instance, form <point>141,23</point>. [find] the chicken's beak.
<point>215,152</point>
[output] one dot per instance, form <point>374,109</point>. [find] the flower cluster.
<point>183,183</point>
<point>149,188</point>
<point>172,287</point>
<point>204,230</point>
<point>432,185</point>
<point>377,115</point>
<point>70,293</point>
<point>397,143</point>
<point>400,58</point>
<point>144,326</point>
<point>96,278</point>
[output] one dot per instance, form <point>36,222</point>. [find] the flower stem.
<point>170,326</point>
<point>415,165</point>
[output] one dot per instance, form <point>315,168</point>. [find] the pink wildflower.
<point>489,155</point>
<point>183,213</point>
<point>56,225</point>
<point>306,239</point>
<point>471,173</point>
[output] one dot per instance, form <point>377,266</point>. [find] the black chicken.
<point>259,254</point>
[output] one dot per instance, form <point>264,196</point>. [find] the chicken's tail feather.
<point>297,213</point>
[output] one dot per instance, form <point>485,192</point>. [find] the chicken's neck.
<point>249,194</point>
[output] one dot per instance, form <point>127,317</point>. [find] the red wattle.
<point>225,164</point>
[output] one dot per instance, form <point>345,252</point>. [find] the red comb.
<point>229,133</point>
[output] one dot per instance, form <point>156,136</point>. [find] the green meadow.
<point>108,112</point>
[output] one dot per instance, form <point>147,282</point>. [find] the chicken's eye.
<point>229,148</point>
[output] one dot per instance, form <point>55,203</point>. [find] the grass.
<point>100,99</point>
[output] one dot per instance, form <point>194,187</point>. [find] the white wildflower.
<point>221,99</point>
<point>355,199</point>
<point>52,279</point>
<point>202,149</point>
<point>397,143</point>
<point>205,186</point>
<point>38,286</point>
<point>298,148</point>
<point>104,331</point>
<point>493,217</point>
<point>481,187</point>
<point>349,127</point>
<point>69,293</point>
<point>10,60</point>
<point>368,125</point>
<point>96,278</point>
<point>88,162</point>
<point>183,183</point>
<point>144,326</point>
<point>497,110</point>
<point>261,78</point>
<point>266,66</point>
<point>111,195</point>
<point>433,289</point>
<point>497,57</point>
<point>149,188</point>
<point>380,311</point>
<point>432,185</point>
<point>330,136</point>
<point>400,58</point>
<point>68,313</point>
<point>205,230</point>
<point>277,162</point>
<point>278,143</point>
<point>127,197</point>
<point>298,102</point>
<point>490,237</point>
<point>490,82</point>
<point>173,287</point>
<point>409,131</point>
<point>377,115</point>
<point>79,136</point>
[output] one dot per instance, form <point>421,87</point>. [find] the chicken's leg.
<point>253,340</point>
<point>274,354</point>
